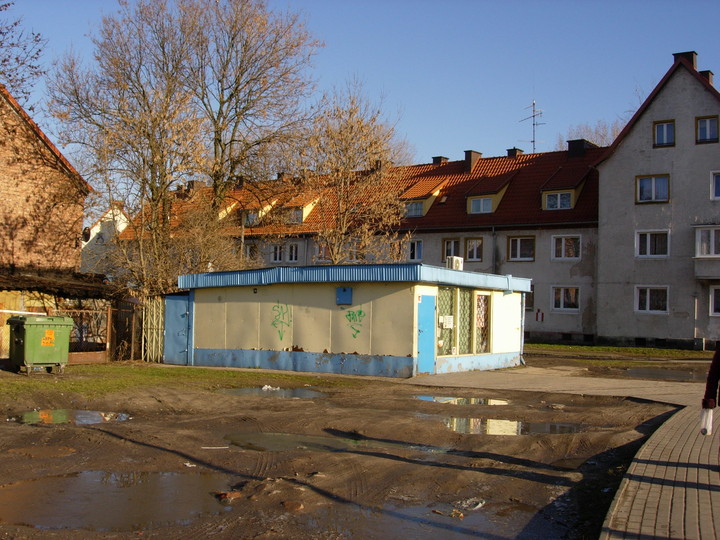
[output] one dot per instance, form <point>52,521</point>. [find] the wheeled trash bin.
<point>39,342</point>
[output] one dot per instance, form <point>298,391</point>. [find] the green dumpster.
<point>39,342</point>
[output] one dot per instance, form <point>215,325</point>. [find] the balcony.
<point>707,267</point>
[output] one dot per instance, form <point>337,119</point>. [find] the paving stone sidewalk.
<point>672,487</point>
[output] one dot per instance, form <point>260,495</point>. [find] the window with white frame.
<point>414,209</point>
<point>293,252</point>
<point>276,253</point>
<point>252,219</point>
<point>530,299</point>
<point>706,129</point>
<point>558,201</point>
<point>481,205</point>
<point>664,133</point>
<point>715,301</point>
<point>653,188</point>
<point>652,244</point>
<point>651,299</point>
<point>415,250</point>
<point>707,242</point>
<point>521,248</point>
<point>451,248</point>
<point>715,186</point>
<point>474,249</point>
<point>566,298</point>
<point>566,247</point>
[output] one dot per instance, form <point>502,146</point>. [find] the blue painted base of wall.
<point>454,364</point>
<point>345,364</point>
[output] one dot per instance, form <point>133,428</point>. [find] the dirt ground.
<point>377,460</point>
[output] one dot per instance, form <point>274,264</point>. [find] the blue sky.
<point>460,75</point>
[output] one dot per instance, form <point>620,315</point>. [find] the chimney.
<point>577,147</point>
<point>514,152</point>
<point>471,157</point>
<point>437,160</point>
<point>117,205</point>
<point>690,56</point>
<point>708,75</point>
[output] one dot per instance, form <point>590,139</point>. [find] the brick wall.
<point>41,203</point>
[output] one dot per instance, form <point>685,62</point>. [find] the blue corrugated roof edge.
<point>355,273</point>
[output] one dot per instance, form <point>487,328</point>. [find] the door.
<point>426,334</point>
<point>177,329</point>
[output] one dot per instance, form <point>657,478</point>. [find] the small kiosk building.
<point>395,320</point>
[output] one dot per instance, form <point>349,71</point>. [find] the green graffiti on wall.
<point>282,319</point>
<point>355,321</point>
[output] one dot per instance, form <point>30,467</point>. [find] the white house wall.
<point>689,166</point>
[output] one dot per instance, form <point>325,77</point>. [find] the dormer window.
<point>414,209</point>
<point>481,205</point>
<point>558,201</point>
<point>664,133</point>
<point>251,219</point>
<point>295,215</point>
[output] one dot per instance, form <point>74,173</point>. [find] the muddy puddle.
<point>664,374</point>
<point>464,401</point>
<point>68,416</point>
<point>495,426</point>
<point>104,501</point>
<point>268,391</point>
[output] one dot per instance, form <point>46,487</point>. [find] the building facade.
<point>659,206</point>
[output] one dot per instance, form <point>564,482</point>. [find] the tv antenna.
<point>536,113</point>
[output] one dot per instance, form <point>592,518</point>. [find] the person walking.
<point>710,398</point>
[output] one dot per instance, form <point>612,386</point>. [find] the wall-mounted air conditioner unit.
<point>454,263</point>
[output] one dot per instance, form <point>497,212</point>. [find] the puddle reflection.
<point>104,501</point>
<point>302,393</point>
<point>664,374</point>
<point>68,416</point>
<point>494,426</point>
<point>464,401</point>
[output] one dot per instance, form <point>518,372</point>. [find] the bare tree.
<point>248,71</point>
<point>181,94</point>
<point>601,134</point>
<point>135,122</point>
<point>348,160</point>
<point>20,53</point>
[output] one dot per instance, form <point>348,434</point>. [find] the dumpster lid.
<point>40,319</point>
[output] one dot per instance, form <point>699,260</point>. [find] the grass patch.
<point>638,352</point>
<point>99,380</point>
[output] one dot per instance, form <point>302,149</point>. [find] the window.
<point>251,219</point>
<point>295,215</point>
<point>481,205</point>
<point>521,248</point>
<point>414,209</point>
<point>558,201</point>
<point>566,298</point>
<point>707,242</point>
<point>474,249</point>
<point>415,249</point>
<point>653,188</point>
<point>715,186</point>
<point>706,129</point>
<point>293,252</point>
<point>251,252</point>
<point>322,252</point>
<point>276,253</point>
<point>651,299</point>
<point>651,244</point>
<point>664,133</point>
<point>530,299</point>
<point>566,247</point>
<point>451,248</point>
<point>715,301</point>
